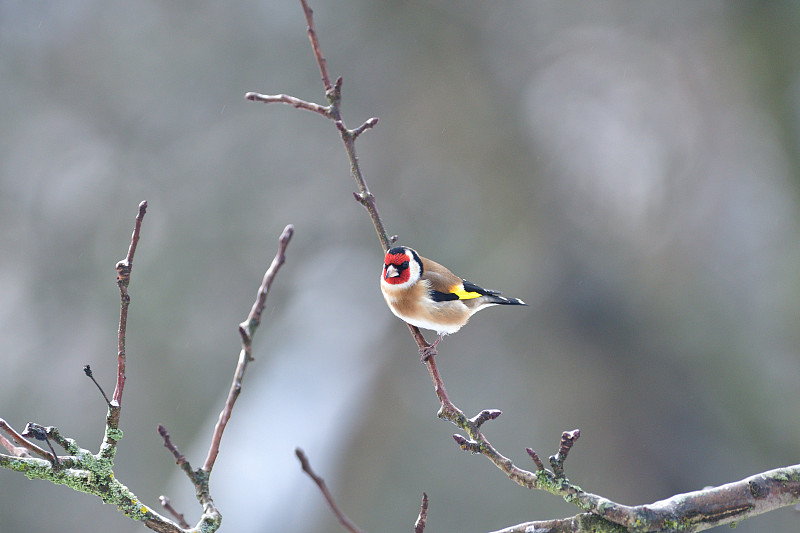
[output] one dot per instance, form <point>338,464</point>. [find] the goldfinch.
<point>427,295</point>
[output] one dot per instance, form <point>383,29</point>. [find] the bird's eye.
<point>404,265</point>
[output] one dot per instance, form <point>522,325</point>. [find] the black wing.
<point>471,287</point>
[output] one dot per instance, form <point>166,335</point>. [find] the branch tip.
<point>369,124</point>
<point>301,456</point>
<point>167,505</point>
<point>124,268</point>
<point>306,466</point>
<point>467,445</point>
<point>422,519</point>
<point>568,438</point>
<point>246,331</point>
<point>538,462</point>
<point>295,102</point>
<point>88,371</point>
<point>485,416</point>
<point>286,235</point>
<point>38,432</point>
<point>312,36</point>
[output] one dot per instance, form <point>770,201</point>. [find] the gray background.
<point>628,169</point>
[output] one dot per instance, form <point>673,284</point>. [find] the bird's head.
<point>402,267</point>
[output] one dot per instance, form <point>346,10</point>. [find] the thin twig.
<point>124,268</point>
<point>368,124</point>
<point>23,442</point>
<point>346,522</point>
<point>535,457</point>
<point>448,410</point>
<point>40,433</point>
<point>422,519</point>
<point>180,459</point>
<point>16,451</point>
<point>298,103</point>
<point>568,438</point>
<point>333,92</point>
<point>246,330</point>
<point>88,371</point>
<point>312,36</point>
<point>167,505</point>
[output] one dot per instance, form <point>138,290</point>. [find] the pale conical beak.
<point>391,272</point>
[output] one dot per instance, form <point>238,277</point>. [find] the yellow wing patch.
<point>462,294</point>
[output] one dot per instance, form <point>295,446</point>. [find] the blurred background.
<point>629,170</point>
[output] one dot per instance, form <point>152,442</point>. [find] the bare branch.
<point>254,318</point>
<point>370,123</point>
<point>692,511</point>
<point>180,459</point>
<point>16,451</point>
<point>124,268</point>
<point>333,92</point>
<point>700,514</point>
<point>485,416</point>
<point>704,509</point>
<point>584,522</point>
<point>538,462</point>
<point>325,111</point>
<point>346,522</point>
<point>37,432</point>
<point>422,519</point>
<point>312,36</point>
<point>568,438</point>
<point>22,442</point>
<point>167,505</point>
<point>467,445</point>
<point>246,330</point>
<point>88,371</point>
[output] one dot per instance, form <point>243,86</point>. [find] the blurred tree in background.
<point>629,170</point>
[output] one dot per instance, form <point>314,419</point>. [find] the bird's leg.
<point>430,350</point>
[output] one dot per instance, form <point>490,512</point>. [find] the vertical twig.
<point>124,268</point>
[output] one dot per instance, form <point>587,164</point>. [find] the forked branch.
<point>693,511</point>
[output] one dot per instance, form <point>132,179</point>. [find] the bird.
<point>425,294</point>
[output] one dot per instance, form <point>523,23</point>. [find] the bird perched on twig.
<point>427,295</point>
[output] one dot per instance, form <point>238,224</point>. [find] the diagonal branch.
<point>323,487</point>
<point>211,517</point>
<point>246,330</point>
<point>24,444</point>
<point>312,36</point>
